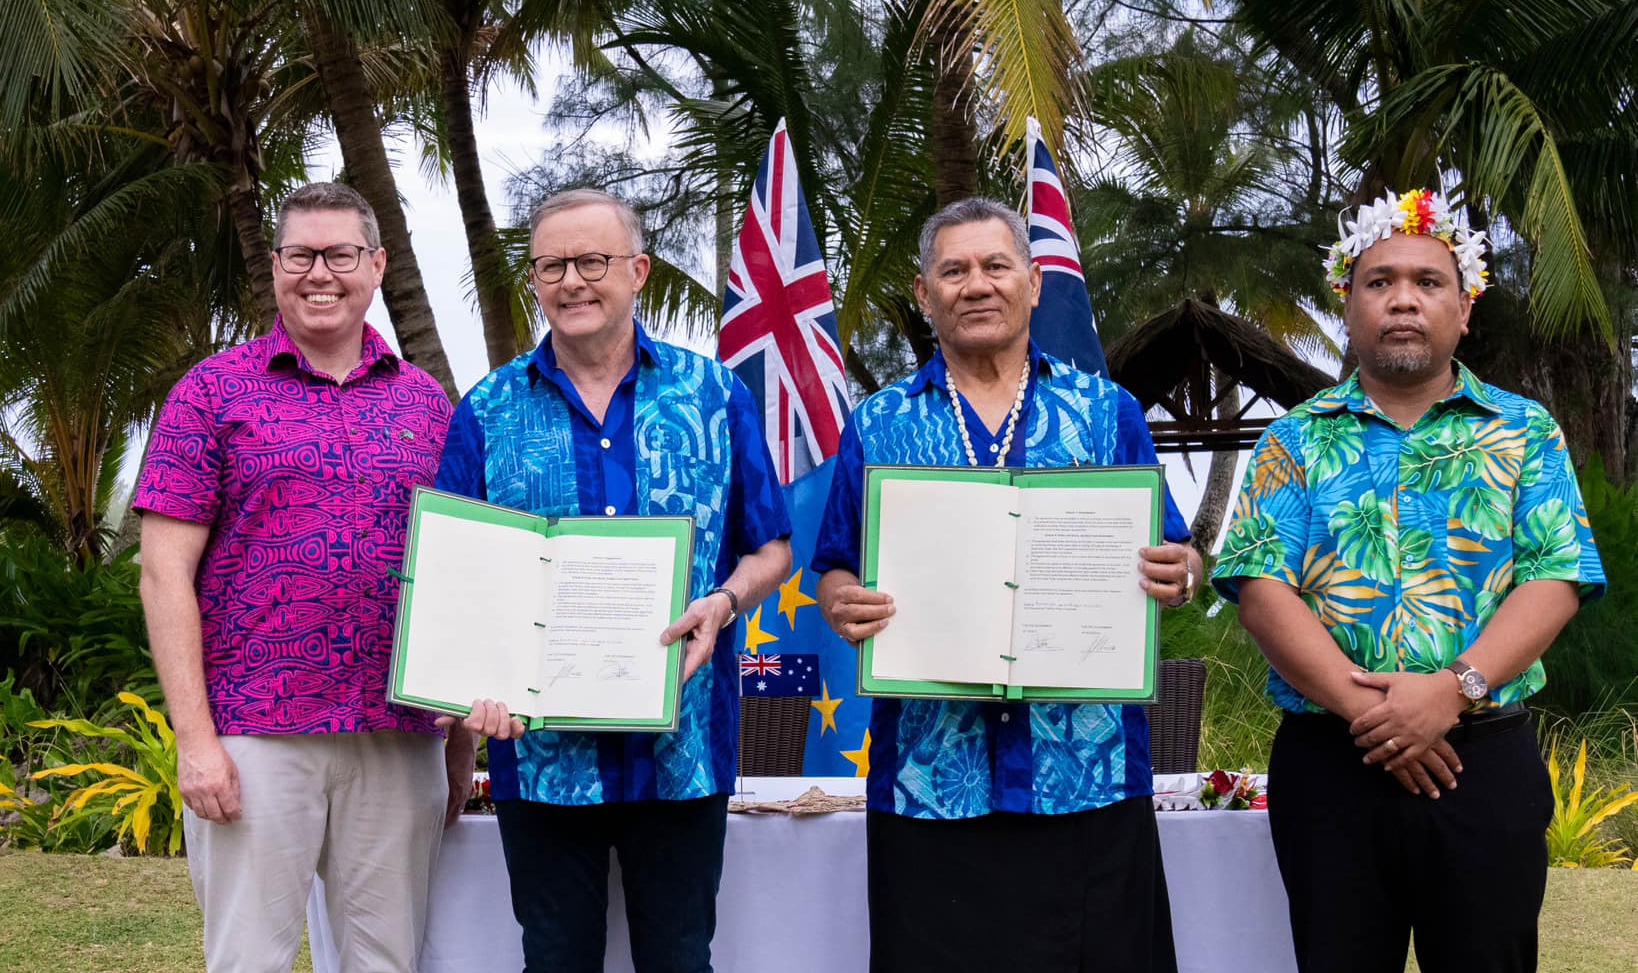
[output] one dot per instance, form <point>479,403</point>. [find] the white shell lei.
<point>1012,416</point>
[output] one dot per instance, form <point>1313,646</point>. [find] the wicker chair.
<point>1174,719</point>
<point>773,735</point>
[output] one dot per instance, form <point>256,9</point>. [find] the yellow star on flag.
<point>827,709</point>
<point>791,598</point>
<point>754,635</point>
<point>860,758</point>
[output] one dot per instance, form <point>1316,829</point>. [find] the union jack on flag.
<point>758,665</point>
<point>1062,322</point>
<point>779,322</point>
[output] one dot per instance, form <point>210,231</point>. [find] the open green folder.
<point>558,617</point>
<point>1012,584</point>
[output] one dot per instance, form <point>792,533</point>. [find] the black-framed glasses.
<point>590,266</point>
<point>341,258</point>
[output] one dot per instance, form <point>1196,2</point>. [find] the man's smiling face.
<point>320,305</point>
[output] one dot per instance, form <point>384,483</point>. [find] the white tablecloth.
<point>793,894</point>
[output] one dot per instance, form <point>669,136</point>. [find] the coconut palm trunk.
<point>1214,500</point>
<point>245,203</point>
<point>358,130</point>
<point>489,273</point>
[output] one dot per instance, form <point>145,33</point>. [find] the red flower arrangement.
<point>1232,792</point>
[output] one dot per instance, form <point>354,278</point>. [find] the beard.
<point>1403,360</point>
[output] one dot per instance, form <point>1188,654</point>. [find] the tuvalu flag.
<point>1062,322</point>
<point>779,336</point>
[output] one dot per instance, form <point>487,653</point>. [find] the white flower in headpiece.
<point>1416,212</point>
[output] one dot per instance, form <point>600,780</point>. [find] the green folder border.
<point>681,529</point>
<point>1114,477</point>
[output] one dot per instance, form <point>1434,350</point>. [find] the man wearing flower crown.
<point>1001,836</point>
<point>1406,546</point>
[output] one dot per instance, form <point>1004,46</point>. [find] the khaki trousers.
<point>362,810</point>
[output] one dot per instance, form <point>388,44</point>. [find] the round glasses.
<point>341,258</point>
<point>590,266</point>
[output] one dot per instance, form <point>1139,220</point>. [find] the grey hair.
<point>331,196</point>
<point>572,198</point>
<point>977,209</point>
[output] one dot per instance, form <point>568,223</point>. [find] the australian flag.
<point>1062,322</point>
<point>779,323</point>
<point>779,674</point>
<point>779,336</point>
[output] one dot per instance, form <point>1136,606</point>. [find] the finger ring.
<point>1392,746</point>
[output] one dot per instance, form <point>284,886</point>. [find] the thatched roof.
<point>1156,356</point>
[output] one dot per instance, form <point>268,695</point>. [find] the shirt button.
<point>362,479</point>
<point>609,511</point>
<point>994,448</point>
<point>1006,717</point>
<point>605,444</point>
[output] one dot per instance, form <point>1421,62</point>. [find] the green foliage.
<point>70,633</point>
<point>144,799</point>
<point>1593,665</point>
<point>1573,837</point>
<point>1237,721</point>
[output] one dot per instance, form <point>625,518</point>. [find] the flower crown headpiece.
<point>1416,212</point>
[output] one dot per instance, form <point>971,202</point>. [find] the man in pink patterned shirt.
<point>274,502</point>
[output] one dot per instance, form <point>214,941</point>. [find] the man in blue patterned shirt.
<point>599,420</point>
<point>1405,548</point>
<point>1002,836</point>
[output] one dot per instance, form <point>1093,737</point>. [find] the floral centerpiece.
<point>1232,792</point>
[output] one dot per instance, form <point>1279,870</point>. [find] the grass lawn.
<point>137,915</point>
<point>90,914</point>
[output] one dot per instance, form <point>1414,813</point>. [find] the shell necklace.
<point>1012,416</point>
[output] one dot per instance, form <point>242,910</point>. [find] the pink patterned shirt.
<point>306,486</point>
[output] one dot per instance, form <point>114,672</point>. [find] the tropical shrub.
<point>1573,836</point>
<point>144,800</point>
<point>73,634</point>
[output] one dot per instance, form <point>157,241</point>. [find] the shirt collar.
<point>543,361</point>
<point>1350,395</point>
<point>933,374</point>
<point>282,350</point>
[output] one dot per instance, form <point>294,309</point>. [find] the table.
<point>793,894</point>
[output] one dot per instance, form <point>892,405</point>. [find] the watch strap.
<point>733,601</point>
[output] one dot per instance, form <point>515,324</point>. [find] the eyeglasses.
<point>341,259</point>
<point>590,266</point>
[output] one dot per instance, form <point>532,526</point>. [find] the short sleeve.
<point>1269,533</point>
<point>837,546</point>
<point>182,475</point>
<point>1552,539</point>
<point>756,500</point>
<point>461,470</point>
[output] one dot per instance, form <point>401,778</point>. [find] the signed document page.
<point>609,600</point>
<point>944,552</point>
<point>558,618</point>
<point>469,616</point>
<point>1080,619</point>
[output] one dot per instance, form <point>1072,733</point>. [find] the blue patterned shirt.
<point>1405,541</point>
<point>961,758</point>
<point>694,439</point>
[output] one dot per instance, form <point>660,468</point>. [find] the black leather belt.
<point>1477,726</point>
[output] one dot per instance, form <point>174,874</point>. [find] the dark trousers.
<point>1366,863</point>
<point>1042,893</point>
<point>557,858</point>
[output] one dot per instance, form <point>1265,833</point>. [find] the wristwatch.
<point>733,603</point>
<point>1470,680</point>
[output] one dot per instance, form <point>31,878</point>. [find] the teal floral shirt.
<point>1405,541</point>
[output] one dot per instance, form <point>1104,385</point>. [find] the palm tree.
<point>83,364</point>
<point>1528,104</point>
<point>332,29</point>
<point>1196,206</point>
<point>205,79</point>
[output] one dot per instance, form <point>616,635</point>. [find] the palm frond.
<point>673,295</point>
